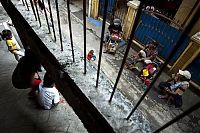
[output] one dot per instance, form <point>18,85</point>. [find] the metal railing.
<point>91,118</point>
<point>77,100</point>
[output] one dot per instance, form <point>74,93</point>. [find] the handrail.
<point>91,118</point>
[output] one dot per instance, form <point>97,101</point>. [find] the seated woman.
<point>176,89</point>
<point>115,30</point>
<point>147,55</point>
<point>48,95</point>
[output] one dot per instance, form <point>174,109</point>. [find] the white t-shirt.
<point>48,96</point>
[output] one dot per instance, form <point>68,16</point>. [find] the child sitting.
<point>91,55</point>
<point>148,73</point>
<point>48,95</point>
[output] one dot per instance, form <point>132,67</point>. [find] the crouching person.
<point>48,95</point>
<point>174,88</point>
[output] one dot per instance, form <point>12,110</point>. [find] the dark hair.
<point>48,82</point>
<point>155,43</point>
<point>5,34</point>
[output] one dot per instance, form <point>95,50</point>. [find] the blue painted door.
<point>162,32</point>
<point>111,5</point>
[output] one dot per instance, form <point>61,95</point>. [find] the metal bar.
<point>37,13</point>
<point>91,118</point>
<point>102,37</point>
<point>84,30</point>
<point>59,27</point>
<point>46,17</point>
<point>52,20</point>
<point>137,20</point>
<point>32,6</point>
<point>172,53</point>
<point>27,5</point>
<point>70,29</point>
<point>187,112</point>
<point>23,3</point>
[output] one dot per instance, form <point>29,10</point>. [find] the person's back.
<point>30,66</point>
<point>48,95</point>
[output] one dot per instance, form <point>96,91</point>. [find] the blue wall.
<point>194,68</point>
<point>111,5</point>
<point>162,32</point>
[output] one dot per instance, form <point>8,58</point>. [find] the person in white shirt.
<point>48,95</point>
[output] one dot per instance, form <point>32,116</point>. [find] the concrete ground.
<point>20,114</point>
<point>155,109</point>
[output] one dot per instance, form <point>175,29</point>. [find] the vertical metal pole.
<point>70,29</point>
<point>23,3</point>
<point>188,111</point>
<point>137,20</point>
<point>59,27</point>
<point>84,30</point>
<point>32,6</point>
<point>178,44</point>
<point>51,19</point>
<point>45,13</point>
<point>27,5</point>
<point>37,14</point>
<point>102,37</point>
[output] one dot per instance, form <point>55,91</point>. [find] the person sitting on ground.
<point>12,47</point>
<point>148,73</point>
<point>48,95</point>
<point>147,55</point>
<point>91,56</point>
<point>114,28</point>
<point>175,86</point>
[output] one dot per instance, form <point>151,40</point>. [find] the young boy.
<point>12,47</point>
<point>48,95</point>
